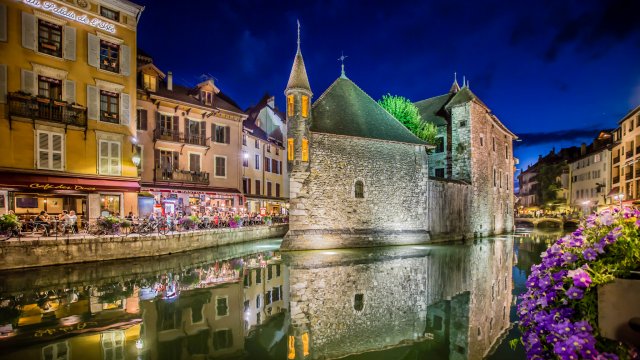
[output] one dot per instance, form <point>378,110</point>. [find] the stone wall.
<point>403,289</point>
<point>324,208</point>
<point>29,253</point>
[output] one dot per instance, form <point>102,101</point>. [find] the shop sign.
<point>60,187</point>
<point>263,211</point>
<point>71,15</point>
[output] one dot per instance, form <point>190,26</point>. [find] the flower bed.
<point>559,312</point>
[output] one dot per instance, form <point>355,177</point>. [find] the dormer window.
<point>206,97</point>
<point>149,82</point>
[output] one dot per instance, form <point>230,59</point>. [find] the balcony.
<point>183,176</point>
<point>628,175</point>
<point>164,134</point>
<point>616,179</point>
<point>638,173</point>
<point>629,154</point>
<point>38,108</point>
<point>616,159</point>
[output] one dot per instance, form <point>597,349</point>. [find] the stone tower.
<point>298,95</point>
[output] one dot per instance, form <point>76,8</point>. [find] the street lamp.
<point>586,206</point>
<point>619,197</point>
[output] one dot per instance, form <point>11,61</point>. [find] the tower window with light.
<point>290,149</point>
<point>305,106</point>
<point>290,105</point>
<point>305,149</point>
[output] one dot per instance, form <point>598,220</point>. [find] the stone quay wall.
<point>325,212</point>
<point>26,253</point>
<point>448,215</point>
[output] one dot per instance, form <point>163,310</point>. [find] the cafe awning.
<point>44,182</point>
<point>615,191</point>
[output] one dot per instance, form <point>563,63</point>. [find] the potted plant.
<point>268,220</point>
<point>559,312</point>
<point>238,220</point>
<point>9,222</point>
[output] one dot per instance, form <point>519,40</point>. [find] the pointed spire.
<point>455,87</point>
<point>464,81</point>
<point>298,35</point>
<point>298,76</point>
<point>341,59</point>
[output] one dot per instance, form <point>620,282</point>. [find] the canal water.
<point>251,301</point>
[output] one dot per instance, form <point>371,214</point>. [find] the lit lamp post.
<point>619,197</point>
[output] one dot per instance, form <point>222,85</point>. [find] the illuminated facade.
<point>625,170</point>
<point>67,100</point>
<point>189,140</point>
<point>264,171</point>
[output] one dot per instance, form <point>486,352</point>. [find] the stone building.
<point>358,177</point>
<point>476,148</point>
<point>264,176</point>
<point>625,170</point>
<point>189,141</point>
<point>67,100</point>
<point>590,175</point>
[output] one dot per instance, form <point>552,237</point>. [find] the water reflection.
<point>250,301</point>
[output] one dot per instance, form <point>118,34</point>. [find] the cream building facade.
<point>625,169</point>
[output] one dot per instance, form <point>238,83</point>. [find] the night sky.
<point>554,72</point>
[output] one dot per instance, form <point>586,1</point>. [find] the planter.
<point>618,304</point>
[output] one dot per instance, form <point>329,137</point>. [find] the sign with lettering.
<point>71,15</point>
<point>60,187</point>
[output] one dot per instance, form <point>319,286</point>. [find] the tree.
<point>403,110</point>
<point>428,133</point>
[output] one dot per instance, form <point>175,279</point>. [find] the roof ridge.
<point>433,97</point>
<point>324,93</point>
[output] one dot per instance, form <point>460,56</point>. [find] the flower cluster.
<point>559,310</point>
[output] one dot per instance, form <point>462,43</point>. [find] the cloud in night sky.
<point>570,135</point>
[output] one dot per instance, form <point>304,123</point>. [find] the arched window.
<point>359,189</point>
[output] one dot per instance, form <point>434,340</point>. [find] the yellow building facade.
<point>67,107</point>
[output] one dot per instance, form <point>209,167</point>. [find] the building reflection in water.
<point>449,302</point>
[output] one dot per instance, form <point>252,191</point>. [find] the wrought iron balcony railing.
<point>174,136</point>
<point>185,176</point>
<point>39,108</point>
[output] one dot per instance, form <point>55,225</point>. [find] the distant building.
<point>625,169</point>
<point>67,104</point>
<point>264,171</point>
<point>475,147</point>
<point>591,175</point>
<point>189,140</point>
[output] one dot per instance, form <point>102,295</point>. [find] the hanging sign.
<point>71,15</point>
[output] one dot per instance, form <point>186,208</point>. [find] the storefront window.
<point>109,204</point>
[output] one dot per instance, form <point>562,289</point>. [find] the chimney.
<point>169,80</point>
<point>583,149</point>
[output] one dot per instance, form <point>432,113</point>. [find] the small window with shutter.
<point>221,134</point>
<point>49,38</point>
<point>109,158</point>
<point>109,107</point>
<point>141,121</point>
<point>50,155</point>
<point>109,56</point>
<point>221,166</point>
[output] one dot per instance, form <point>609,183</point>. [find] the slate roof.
<point>432,110</point>
<point>298,77</point>
<point>189,95</point>
<point>463,96</point>
<point>344,109</point>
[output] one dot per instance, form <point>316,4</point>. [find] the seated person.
<point>72,220</point>
<point>42,220</point>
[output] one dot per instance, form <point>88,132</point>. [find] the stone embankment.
<point>26,252</point>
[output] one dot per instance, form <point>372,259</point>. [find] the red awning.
<point>48,183</point>
<point>615,191</point>
<point>189,189</point>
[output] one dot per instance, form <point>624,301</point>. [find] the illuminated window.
<point>359,189</point>
<point>109,107</point>
<point>110,14</point>
<point>292,348</point>
<point>305,344</point>
<point>109,56</point>
<point>290,105</point>
<point>49,38</point>
<point>149,82</point>
<point>305,149</point>
<point>290,149</point>
<point>305,106</point>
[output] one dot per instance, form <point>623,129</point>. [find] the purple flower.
<point>580,278</point>
<point>599,246</point>
<point>606,219</point>
<point>569,258</point>
<point>589,254</point>
<point>638,223</point>
<point>574,293</point>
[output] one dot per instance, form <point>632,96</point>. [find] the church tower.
<point>298,95</point>
<point>298,113</point>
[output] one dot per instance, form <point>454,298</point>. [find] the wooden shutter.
<point>28,31</point>
<point>125,58</point>
<point>56,152</point>
<point>28,81</point>
<point>274,166</point>
<point>143,118</point>
<point>213,133</point>
<point>103,157</point>
<point>3,22</point>
<point>156,158</point>
<point>3,83</point>
<point>43,150</point>
<point>157,123</point>
<point>227,134</point>
<point>176,125</point>
<point>93,103</point>
<point>203,132</point>
<point>125,109</point>
<point>70,91</point>
<point>176,160</point>
<point>69,37</point>
<point>93,50</point>
<point>115,158</point>
<point>187,134</point>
